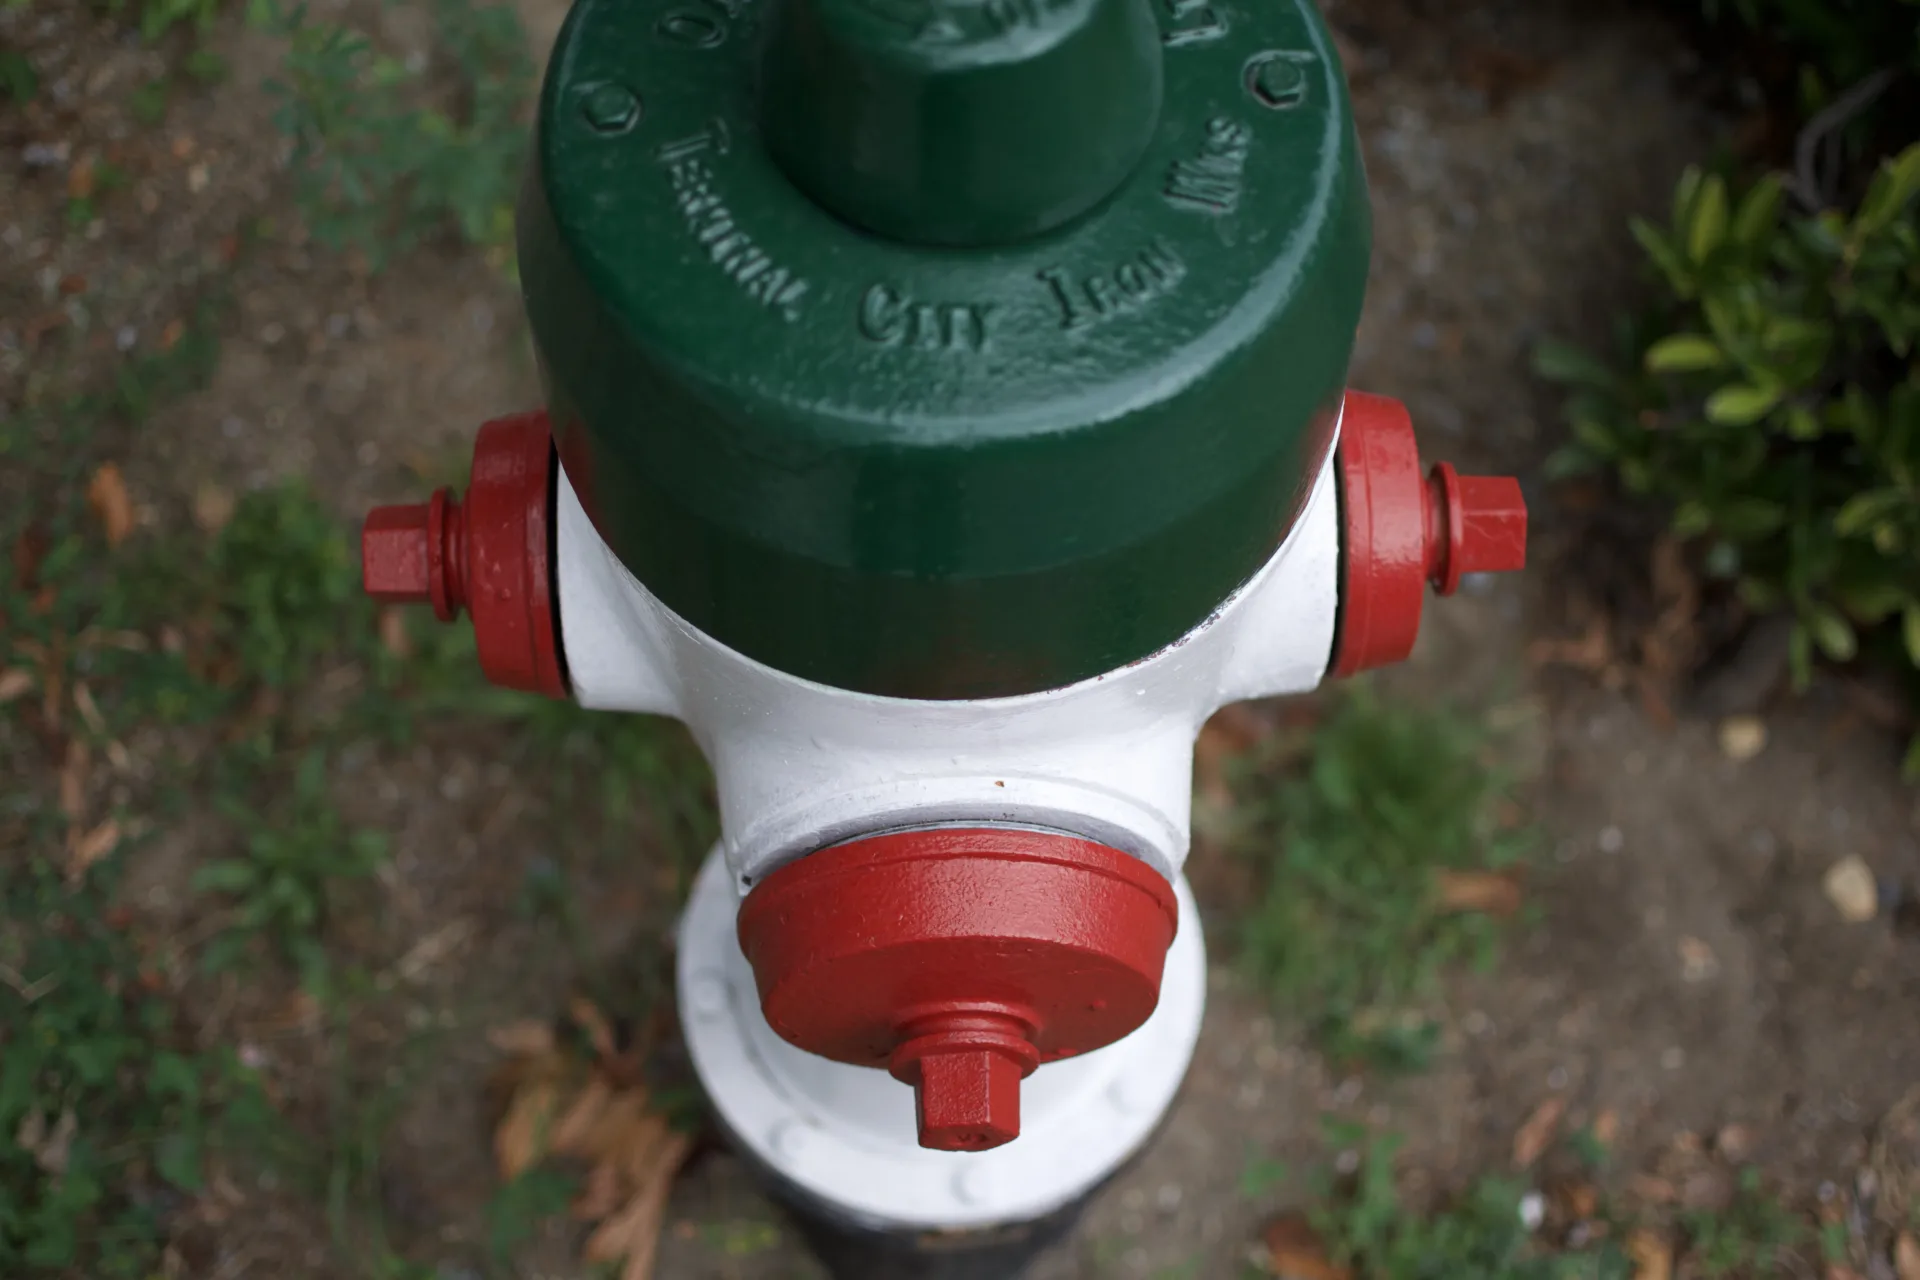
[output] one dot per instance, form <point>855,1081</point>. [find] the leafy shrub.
<point>1840,41</point>
<point>379,169</point>
<point>1772,399</point>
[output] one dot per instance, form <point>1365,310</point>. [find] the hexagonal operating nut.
<point>967,1100</point>
<point>1476,524</point>
<point>1493,522</point>
<point>394,554</point>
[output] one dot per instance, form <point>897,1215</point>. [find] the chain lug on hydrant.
<point>488,556</point>
<point>946,414</point>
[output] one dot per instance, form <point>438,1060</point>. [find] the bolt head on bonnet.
<point>959,960</point>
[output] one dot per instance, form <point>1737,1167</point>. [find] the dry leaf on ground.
<point>1906,1257</point>
<point>15,682</point>
<point>1295,1251</point>
<point>87,849</point>
<point>51,1148</point>
<point>297,1013</point>
<point>1667,647</point>
<point>1578,1200</point>
<point>1591,651</point>
<point>73,781</point>
<point>1894,1161</point>
<point>107,495</point>
<point>599,1194</point>
<point>1492,893</point>
<point>1649,1188</point>
<point>434,948</point>
<point>586,1121</point>
<point>639,1223</point>
<point>522,1039</point>
<point>1533,1137</point>
<point>520,1139</point>
<point>89,709</point>
<point>213,506</point>
<point>601,1117</point>
<point>1652,1255</point>
<point>587,1016</point>
<point>394,636</point>
<point>1734,1142</point>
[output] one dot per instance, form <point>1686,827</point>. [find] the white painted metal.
<point>846,1134</point>
<point>800,766</point>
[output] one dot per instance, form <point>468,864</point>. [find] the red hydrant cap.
<point>1403,532</point>
<point>959,960</point>
<point>487,555</point>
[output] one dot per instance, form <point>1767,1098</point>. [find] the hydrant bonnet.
<point>836,443</point>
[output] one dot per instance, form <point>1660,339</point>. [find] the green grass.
<point>157,17</point>
<point>1479,1234</point>
<point>223,638</point>
<point>1754,1236</point>
<point>1348,825</point>
<point>223,644</point>
<point>84,1035</point>
<point>293,857</point>
<point>385,157</point>
<point>1366,1225</point>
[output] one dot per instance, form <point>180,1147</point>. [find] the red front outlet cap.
<point>487,555</point>
<point>1403,532</point>
<point>959,960</point>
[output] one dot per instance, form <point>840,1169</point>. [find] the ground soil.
<point>1687,974</point>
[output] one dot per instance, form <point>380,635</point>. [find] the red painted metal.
<point>488,555</point>
<point>1385,543</point>
<point>959,959</point>
<point>1479,526</point>
<point>1404,532</point>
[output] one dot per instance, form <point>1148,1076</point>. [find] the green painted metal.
<point>920,470</point>
<point>959,124</point>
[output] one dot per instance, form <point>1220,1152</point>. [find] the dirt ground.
<point>1688,973</point>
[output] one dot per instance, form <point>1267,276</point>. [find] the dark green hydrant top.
<point>943,348</point>
<point>968,124</point>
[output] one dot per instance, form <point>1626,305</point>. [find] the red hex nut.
<point>1403,532</point>
<point>1475,524</point>
<point>966,1069</point>
<point>487,556</point>
<point>393,554</point>
<point>416,554</point>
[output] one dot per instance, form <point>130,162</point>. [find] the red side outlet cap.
<point>959,960</point>
<point>1403,531</point>
<point>487,555</point>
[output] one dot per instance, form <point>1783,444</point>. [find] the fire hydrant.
<point>946,414</point>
